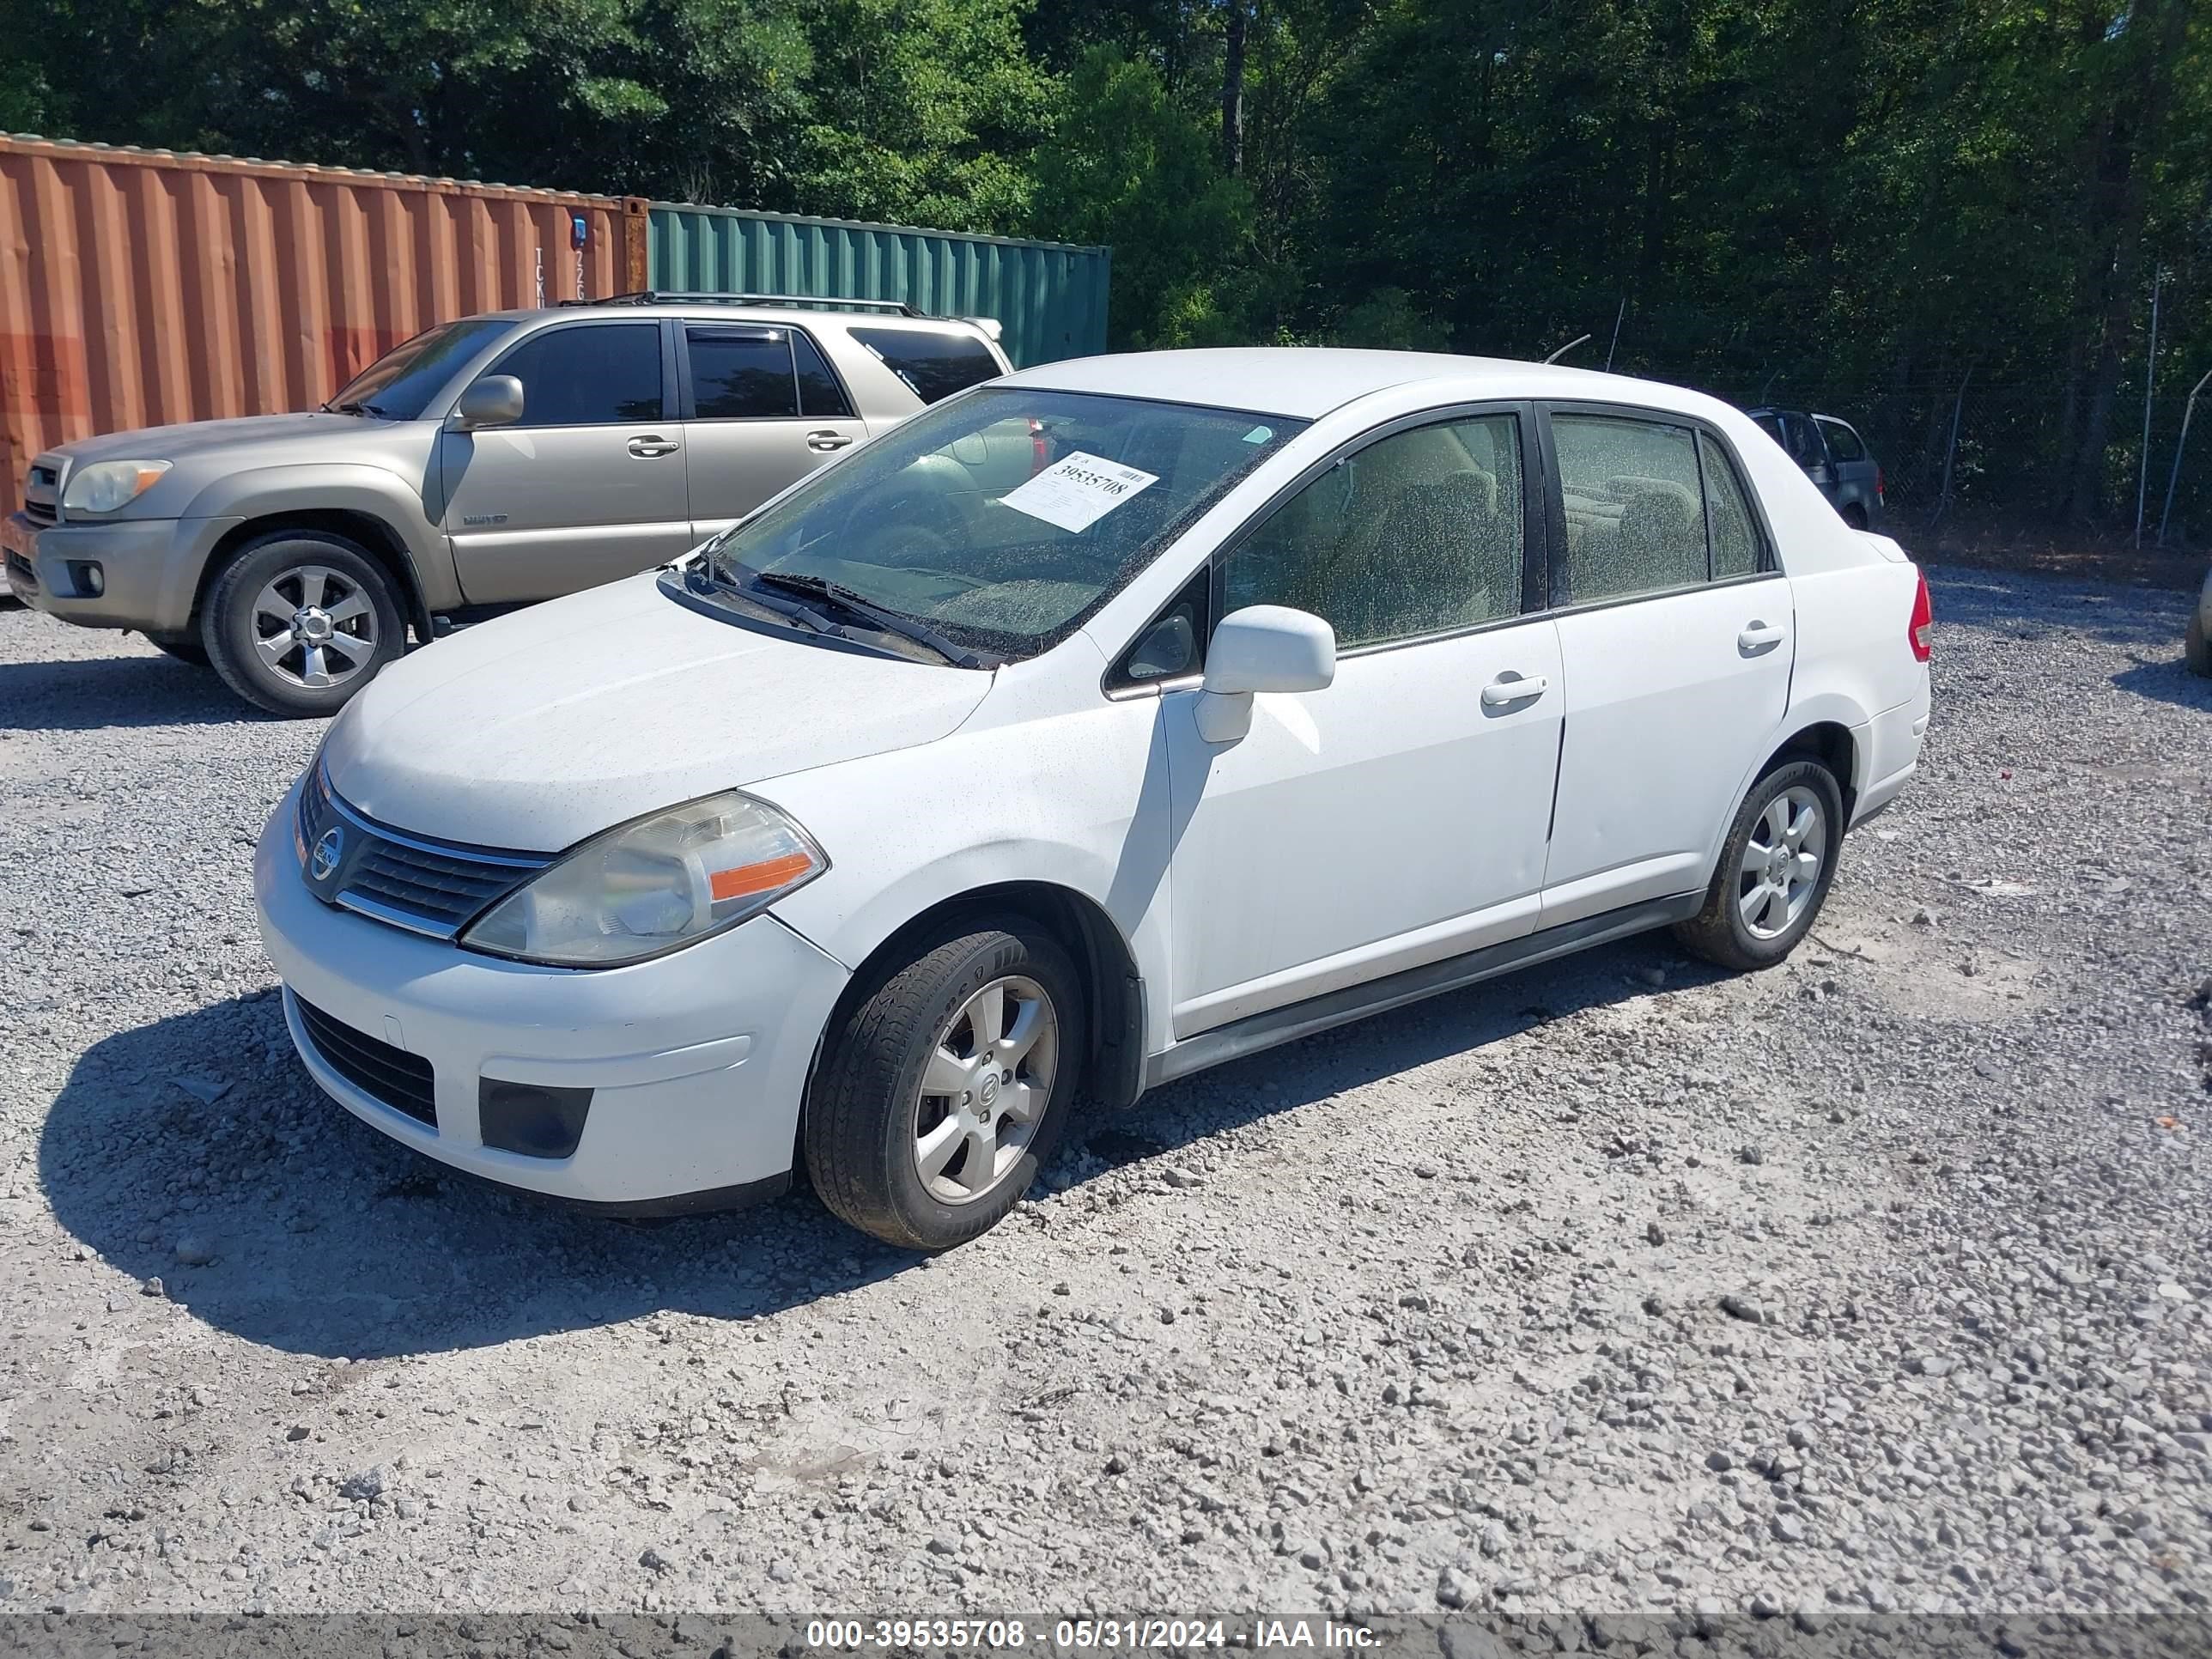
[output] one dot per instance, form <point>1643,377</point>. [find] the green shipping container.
<point>1050,296</point>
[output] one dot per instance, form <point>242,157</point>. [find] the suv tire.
<point>1765,896</point>
<point>888,1152</point>
<point>300,620</point>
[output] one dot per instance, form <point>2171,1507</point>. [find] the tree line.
<point>1908,209</point>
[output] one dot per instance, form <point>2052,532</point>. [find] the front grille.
<point>20,574</point>
<point>39,494</point>
<point>403,1081</point>
<point>38,512</point>
<point>428,887</point>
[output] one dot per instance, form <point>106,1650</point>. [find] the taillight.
<point>1880,491</point>
<point>1922,631</point>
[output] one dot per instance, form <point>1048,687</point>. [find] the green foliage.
<point>1130,169</point>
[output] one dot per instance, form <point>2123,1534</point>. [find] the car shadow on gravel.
<point>272,1214</point>
<point>2032,606</point>
<point>87,694</point>
<point>2167,682</point>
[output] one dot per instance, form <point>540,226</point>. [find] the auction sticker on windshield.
<point>1077,490</point>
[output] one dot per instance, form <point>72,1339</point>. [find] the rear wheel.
<point>946,1090</point>
<point>301,620</point>
<point>1775,870</point>
<point>2194,650</point>
<point>1854,515</point>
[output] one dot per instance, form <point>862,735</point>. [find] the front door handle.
<point>652,448</point>
<point>1757,636</point>
<point>827,441</point>
<point>1513,687</point>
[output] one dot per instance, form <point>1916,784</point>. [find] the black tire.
<point>1854,515</point>
<point>183,647</point>
<point>229,630</point>
<point>862,1113</point>
<point>1719,931</point>
<point>2194,650</point>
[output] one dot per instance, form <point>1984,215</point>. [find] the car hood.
<point>196,437</point>
<point>534,731</point>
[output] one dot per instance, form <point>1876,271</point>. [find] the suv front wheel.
<point>300,620</point>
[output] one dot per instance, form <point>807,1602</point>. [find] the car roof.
<point>1306,382</point>
<point>715,310</point>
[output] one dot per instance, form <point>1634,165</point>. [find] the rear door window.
<point>933,363</point>
<point>821,394</point>
<point>1634,504</point>
<point>741,374</point>
<point>1843,443</point>
<point>597,375</point>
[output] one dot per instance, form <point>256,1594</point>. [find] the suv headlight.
<point>105,485</point>
<point>654,886</point>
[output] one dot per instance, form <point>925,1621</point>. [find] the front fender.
<point>389,497</point>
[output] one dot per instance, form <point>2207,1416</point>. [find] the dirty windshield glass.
<point>1002,519</point>
<point>398,385</point>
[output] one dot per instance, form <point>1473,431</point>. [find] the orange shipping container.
<point>139,288</point>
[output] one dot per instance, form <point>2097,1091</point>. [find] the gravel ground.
<point>1877,1282</point>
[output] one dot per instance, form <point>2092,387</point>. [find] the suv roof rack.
<point>659,296</point>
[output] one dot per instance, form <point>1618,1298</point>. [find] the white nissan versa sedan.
<point>1102,723</point>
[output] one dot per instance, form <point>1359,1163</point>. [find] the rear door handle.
<point>652,448</point>
<point>1757,636</point>
<point>1513,687</point>
<point>827,441</point>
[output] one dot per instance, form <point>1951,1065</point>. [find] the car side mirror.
<point>1262,647</point>
<point>494,400</point>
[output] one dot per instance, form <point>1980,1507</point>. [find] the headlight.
<point>105,485</point>
<point>652,886</point>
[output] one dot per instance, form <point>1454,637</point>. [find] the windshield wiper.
<point>889,621</point>
<point>356,406</point>
<point>706,581</point>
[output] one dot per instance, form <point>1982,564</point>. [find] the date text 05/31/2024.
<point>1086,1635</point>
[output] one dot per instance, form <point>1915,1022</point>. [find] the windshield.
<point>1003,517</point>
<point>400,384</point>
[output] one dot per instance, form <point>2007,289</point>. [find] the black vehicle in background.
<point>1833,456</point>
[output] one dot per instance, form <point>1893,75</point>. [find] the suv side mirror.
<point>494,400</point>
<point>1262,647</point>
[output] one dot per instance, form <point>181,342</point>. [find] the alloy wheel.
<point>314,626</point>
<point>1780,869</point>
<point>984,1089</point>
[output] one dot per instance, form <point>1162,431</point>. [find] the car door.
<point>1676,632</point>
<point>761,409</point>
<point>587,486</point>
<point>1858,478</point>
<point>1396,817</point>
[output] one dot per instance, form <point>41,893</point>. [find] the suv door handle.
<point>1507,689</point>
<point>1757,636</point>
<point>827,441</point>
<point>650,448</point>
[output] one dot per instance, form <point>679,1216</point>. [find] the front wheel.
<point>2194,650</point>
<point>943,1092</point>
<point>1775,870</point>
<point>300,621</point>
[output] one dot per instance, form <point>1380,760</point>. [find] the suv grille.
<point>38,494</point>
<point>428,887</point>
<point>403,1081</point>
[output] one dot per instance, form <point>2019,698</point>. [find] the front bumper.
<point>697,1061</point>
<point>148,568</point>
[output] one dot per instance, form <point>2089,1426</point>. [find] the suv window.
<point>594,374</point>
<point>934,363</point>
<point>741,374</point>
<point>1417,533</point>
<point>1635,511</point>
<point>1803,442</point>
<point>820,392</point>
<point>1843,443</point>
